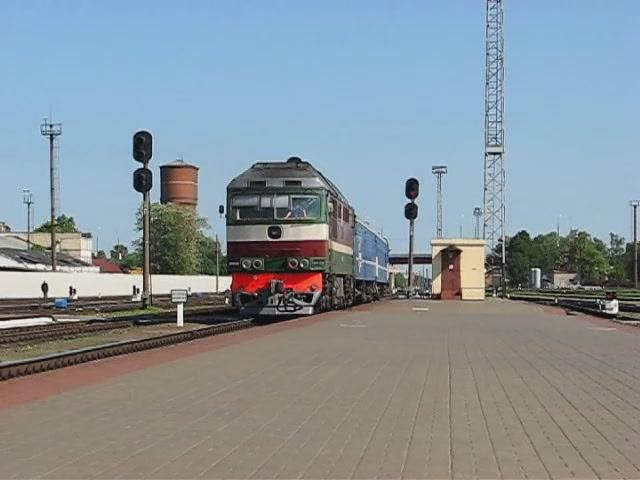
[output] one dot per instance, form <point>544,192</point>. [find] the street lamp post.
<point>27,199</point>
<point>634,204</point>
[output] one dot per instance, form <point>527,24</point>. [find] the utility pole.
<point>27,199</point>
<point>477,212</point>
<point>439,171</point>
<point>494,170</point>
<point>52,130</point>
<point>217,265</point>
<point>634,204</point>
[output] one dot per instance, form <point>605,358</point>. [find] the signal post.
<point>411,190</point>
<point>142,182</point>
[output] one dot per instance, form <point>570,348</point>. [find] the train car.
<point>290,241</point>
<point>371,263</point>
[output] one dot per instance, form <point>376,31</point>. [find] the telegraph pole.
<point>634,204</point>
<point>51,131</point>
<point>439,171</point>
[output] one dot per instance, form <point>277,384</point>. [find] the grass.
<point>10,353</point>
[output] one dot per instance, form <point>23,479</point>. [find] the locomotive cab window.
<point>298,207</point>
<point>268,207</point>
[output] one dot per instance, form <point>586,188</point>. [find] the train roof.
<point>372,229</point>
<point>283,174</point>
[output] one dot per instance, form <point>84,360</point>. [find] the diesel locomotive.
<point>295,245</point>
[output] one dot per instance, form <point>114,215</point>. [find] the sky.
<point>371,92</point>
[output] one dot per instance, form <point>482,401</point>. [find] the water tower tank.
<point>179,183</point>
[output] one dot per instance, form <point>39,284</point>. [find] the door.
<point>451,284</point>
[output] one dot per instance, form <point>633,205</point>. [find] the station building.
<point>458,269</point>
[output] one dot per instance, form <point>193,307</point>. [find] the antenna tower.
<point>494,172</point>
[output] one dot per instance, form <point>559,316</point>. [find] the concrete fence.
<point>27,284</point>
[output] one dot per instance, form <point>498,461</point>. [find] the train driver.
<point>297,209</point>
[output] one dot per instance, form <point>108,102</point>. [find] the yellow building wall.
<point>472,258</point>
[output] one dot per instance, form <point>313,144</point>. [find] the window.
<point>298,207</point>
<point>270,206</point>
<point>345,214</point>
<point>251,207</point>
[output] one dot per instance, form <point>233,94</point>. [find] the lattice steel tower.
<point>494,171</point>
<point>439,171</point>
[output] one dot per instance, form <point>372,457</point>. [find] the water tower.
<point>179,183</point>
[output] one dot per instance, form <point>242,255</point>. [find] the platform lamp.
<point>27,199</point>
<point>634,204</point>
<point>477,212</point>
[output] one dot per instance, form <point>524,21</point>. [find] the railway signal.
<point>411,191</point>
<point>142,146</point>
<point>411,211</point>
<point>412,188</point>
<point>142,182</point>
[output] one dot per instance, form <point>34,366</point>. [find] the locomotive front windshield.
<point>275,206</point>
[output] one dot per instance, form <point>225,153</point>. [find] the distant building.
<point>4,227</point>
<point>76,245</point>
<point>107,266</point>
<point>560,279</point>
<point>15,256</point>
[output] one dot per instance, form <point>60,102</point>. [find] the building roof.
<point>13,242</point>
<point>38,260</point>
<point>179,163</point>
<point>107,266</point>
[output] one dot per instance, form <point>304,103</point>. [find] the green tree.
<point>587,256</point>
<point>174,239</point>
<point>616,256</point>
<point>118,253</point>
<point>100,254</point>
<point>520,257</point>
<point>64,224</point>
<point>400,281</point>
<point>131,261</point>
<point>547,252</point>
<point>207,248</point>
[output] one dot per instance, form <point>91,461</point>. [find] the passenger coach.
<point>291,236</point>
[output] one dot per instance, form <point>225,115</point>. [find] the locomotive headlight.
<point>246,263</point>
<point>293,263</point>
<point>258,264</point>
<point>304,263</point>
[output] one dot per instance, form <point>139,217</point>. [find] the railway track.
<point>31,366</point>
<point>583,305</point>
<point>57,331</point>
<point>31,307</point>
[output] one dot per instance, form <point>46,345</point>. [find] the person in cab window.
<point>297,209</point>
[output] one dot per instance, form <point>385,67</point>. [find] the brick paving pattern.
<point>463,390</point>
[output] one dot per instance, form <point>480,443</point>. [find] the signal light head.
<point>411,211</point>
<point>142,180</point>
<point>142,146</point>
<point>412,188</point>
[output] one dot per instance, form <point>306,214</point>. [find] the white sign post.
<point>179,297</point>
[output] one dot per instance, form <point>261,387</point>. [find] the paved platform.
<point>463,390</point>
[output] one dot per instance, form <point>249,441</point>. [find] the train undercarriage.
<point>276,298</point>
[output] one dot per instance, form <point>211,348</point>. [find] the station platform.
<point>398,389</point>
